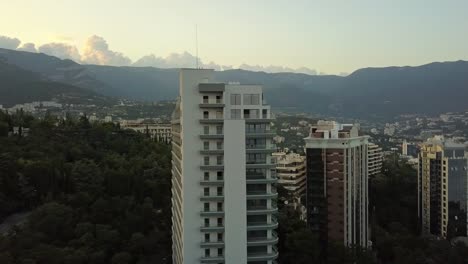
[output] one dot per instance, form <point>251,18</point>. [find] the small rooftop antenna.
<point>196,44</point>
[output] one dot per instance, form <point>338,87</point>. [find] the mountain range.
<point>370,92</point>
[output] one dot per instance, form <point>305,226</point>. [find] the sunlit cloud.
<point>96,50</point>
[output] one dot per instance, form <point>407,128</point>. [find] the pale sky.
<point>331,36</point>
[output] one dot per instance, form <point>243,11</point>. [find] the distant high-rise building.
<point>291,172</point>
<point>337,183</point>
<point>223,175</point>
<point>442,188</point>
<point>375,159</point>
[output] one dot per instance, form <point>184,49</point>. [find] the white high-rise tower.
<point>223,175</point>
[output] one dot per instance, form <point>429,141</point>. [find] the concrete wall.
<point>235,192</point>
<point>191,161</point>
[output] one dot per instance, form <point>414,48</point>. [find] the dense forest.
<point>93,193</point>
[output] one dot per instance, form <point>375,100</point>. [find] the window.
<point>251,99</point>
<point>206,145</point>
<point>219,99</point>
<point>219,160</point>
<point>219,175</point>
<point>220,237</point>
<point>205,99</point>
<point>235,99</point>
<point>207,237</point>
<point>264,113</point>
<point>246,113</point>
<point>207,222</point>
<point>207,252</point>
<point>219,130</point>
<point>220,191</point>
<point>220,252</point>
<point>219,145</point>
<point>206,115</point>
<point>206,130</point>
<point>206,176</point>
<point>220,222</point>
<point>236,114</point>
<point>220,208</point>
<point>206,191</point>
<point>206,207</point>
<point>206,160</point>
<point>219,114</point>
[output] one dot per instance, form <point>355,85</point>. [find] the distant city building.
<point>108,119</point>
<point>375,159</point>
<point>159,132</point>
<point>337,183</point>
<point>442,188</point>
<point>223,176</point>
<point>291,172</point>
<point>409,149</point>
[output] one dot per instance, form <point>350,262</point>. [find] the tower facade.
<point>223,184</point>
<point>442,188</point>
<point>337,183</point>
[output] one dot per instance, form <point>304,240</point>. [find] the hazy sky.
<point>330,36</point>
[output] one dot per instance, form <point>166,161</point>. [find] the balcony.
<point>260,133</point>
<point>251,226</point>
<point>261,210</point>
<point>212,121</point>
<point>212,183</point>
<point>269,162</point>
<point>212,228</point>
<point>262,256</point>
<point>212,167</point>
<point>212,213</point>
<point>212,136</point>
<point>262,241</point>
<point>217,259</point>
<point>270,148</point>
<point>212,244</point>
<point>212,151</point>
<point>261,180</point>
<point>212,198</point>
<point>252,195</point>
<point>258,120</point>
<point>217,104</point>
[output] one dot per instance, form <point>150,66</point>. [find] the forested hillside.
<point>95,193</point>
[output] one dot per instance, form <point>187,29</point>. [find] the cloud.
<point>61,50</point>
<point>9,43</point>
<point>96,51</point>
<point>29,47</point>
<point>276,69</point>
<point>174,60</point>
<point>187,60</point>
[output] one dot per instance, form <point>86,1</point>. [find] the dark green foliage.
<point>95,193</point>
<point>393,202</point>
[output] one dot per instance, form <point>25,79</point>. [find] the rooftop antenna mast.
<point>196,44</point>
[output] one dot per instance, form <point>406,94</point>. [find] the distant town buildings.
<point>291,170</point>
<point>442,188</point>
<point>337,183</point>
<point>159,132</point>
<point>223,176</point>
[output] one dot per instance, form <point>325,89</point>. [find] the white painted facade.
<point>223,186</point>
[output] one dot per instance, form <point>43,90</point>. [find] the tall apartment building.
<point>337,183</point>
<point>442,188</point>
<point>291,172</point>
<point>223,175</point>
<point>375,159</point>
